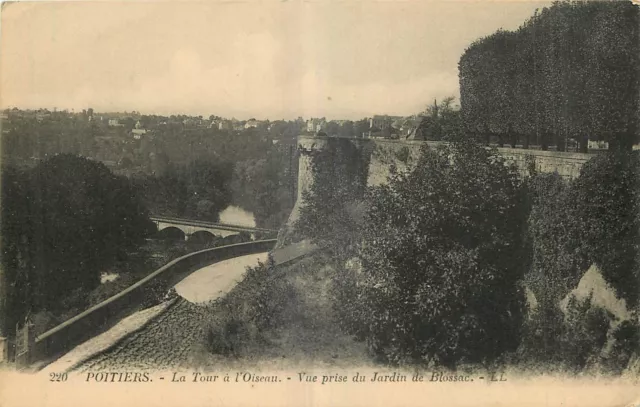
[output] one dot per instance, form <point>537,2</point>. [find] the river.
<point>235,215</point>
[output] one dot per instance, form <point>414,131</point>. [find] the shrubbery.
<point>573,340</point>
<point>570,71</point>
<point>444,252</point>
<point>257,304</point>
<point>347,305</point>
<point>441,256</point>
<point>594,219</point>
<point>607,214</point>
<point>554,239</point>
<point>626,338</point>
<point>332,208</point>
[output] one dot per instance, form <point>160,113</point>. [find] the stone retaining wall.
<point>100,317</point>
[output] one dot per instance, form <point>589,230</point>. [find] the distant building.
<point>598,145</point>
<point>315,125</point>
<point>138,133</point>
<point>383,122</point>
<point>252,123</point>
<point>406,126</point>
<point>115,123</point>
<point>238,126</point>
<point>40,116</point>
<point>225,125</point>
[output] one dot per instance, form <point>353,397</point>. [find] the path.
<point>214,281</point>
<point>168,339</point>
<point>105,340</point>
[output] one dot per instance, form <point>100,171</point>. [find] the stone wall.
<point>568,165</point>
<point>386,152</point>
<point>404,154</point>
<point>99,318</point>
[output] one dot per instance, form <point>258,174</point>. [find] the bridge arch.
<point>170,233</point>
<point>202,236</point>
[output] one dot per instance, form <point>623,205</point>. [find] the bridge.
<point>192,227</point>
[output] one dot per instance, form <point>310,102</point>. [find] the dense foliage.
<point>607,212</point>
<point>436,270</point>
<point>441,257</point>
<point>63,222</point>
<point>573,340</point>
<point>558,258</point>
<point>593,219</point>
<point>266,186</point>
<point>198,190</point>
<point>570,72</point>
<point>333,205</point>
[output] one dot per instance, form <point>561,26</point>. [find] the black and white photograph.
<point>319,203</point>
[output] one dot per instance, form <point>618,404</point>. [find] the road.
<point>214,281</point>
<point>174,338</point>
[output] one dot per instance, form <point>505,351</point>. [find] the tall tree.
<point>442,259</point>
<point>63,222</point>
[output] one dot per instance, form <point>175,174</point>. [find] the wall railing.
<point>102,316</point>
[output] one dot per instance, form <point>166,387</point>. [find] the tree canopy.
<point>572,71</point>
<point>442,259</point>
<point>63,222</point>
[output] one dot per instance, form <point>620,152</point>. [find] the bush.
<point>572,341</point>
<point>155,292</point>
<point>347,304</point>
<point>403,154</point>
<point>626,341</point>
<point>585,333</point>
<point>607,200</point>
<point>443,258</point>
<point>554,235</point>
<point>542,331</point>
<point>228,334</point>
<point>258,303</point>
<point>340,177</point>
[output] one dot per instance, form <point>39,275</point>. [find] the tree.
<point>571,71</point>
<point>331,207</point>
<point>440,121</point>
<point>558,260</point>
<point>346,130</point>
<point>16,242</point>
<point>607,199</point>
<point>442,258</point>
<point>361,127</point>
<point>207,181</point>
<point>64,222</point>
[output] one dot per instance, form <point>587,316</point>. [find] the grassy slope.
<point>307,335</point>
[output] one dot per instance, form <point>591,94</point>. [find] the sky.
<point>242,59</point>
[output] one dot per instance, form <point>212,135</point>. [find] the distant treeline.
<point>570,72</point>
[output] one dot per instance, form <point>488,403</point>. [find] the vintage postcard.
<point>320,203</point>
